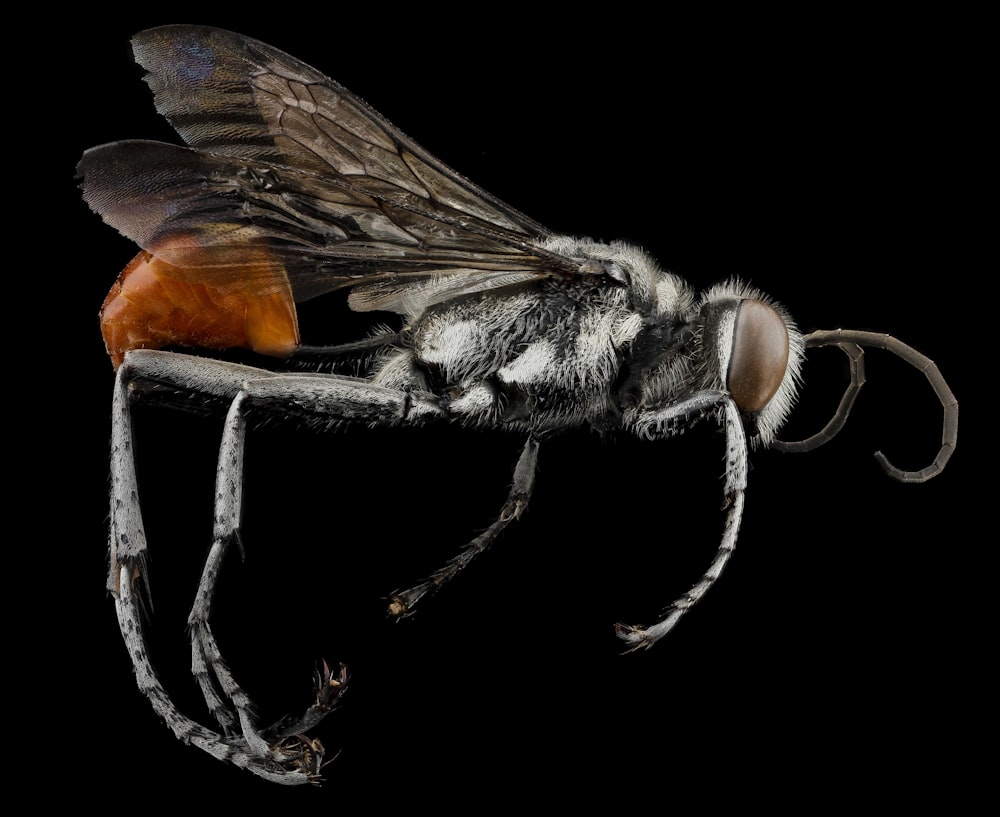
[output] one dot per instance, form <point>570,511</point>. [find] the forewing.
<point>285,160</point>
<point>235,96</point>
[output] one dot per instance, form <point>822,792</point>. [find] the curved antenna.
<point>850,342</point>
<point>857,362</point>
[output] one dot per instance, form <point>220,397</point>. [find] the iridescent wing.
<point>289,177</point>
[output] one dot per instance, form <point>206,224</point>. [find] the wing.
<point>290,179</point>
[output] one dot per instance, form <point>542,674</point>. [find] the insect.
<point>290,187</point>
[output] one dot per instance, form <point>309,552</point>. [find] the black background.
<point>827,161</point>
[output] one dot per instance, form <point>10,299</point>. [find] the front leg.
<point>665,422</point>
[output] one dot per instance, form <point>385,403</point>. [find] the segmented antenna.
<point>850,341</point>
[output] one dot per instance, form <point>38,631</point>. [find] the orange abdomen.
<point>155,304</point>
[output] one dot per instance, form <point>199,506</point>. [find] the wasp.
<point>290,187</point>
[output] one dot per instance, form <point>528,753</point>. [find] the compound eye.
<point>759,357</point>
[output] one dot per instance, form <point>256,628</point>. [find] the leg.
<point>297,760</point>
<point>663,422</point>
<point>322,401</point>
<point>277,753</point>
<point>403,602</point>
<point>127,578</point>
<point>209,380</point>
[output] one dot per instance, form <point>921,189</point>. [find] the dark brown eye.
<point>759,357</point>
